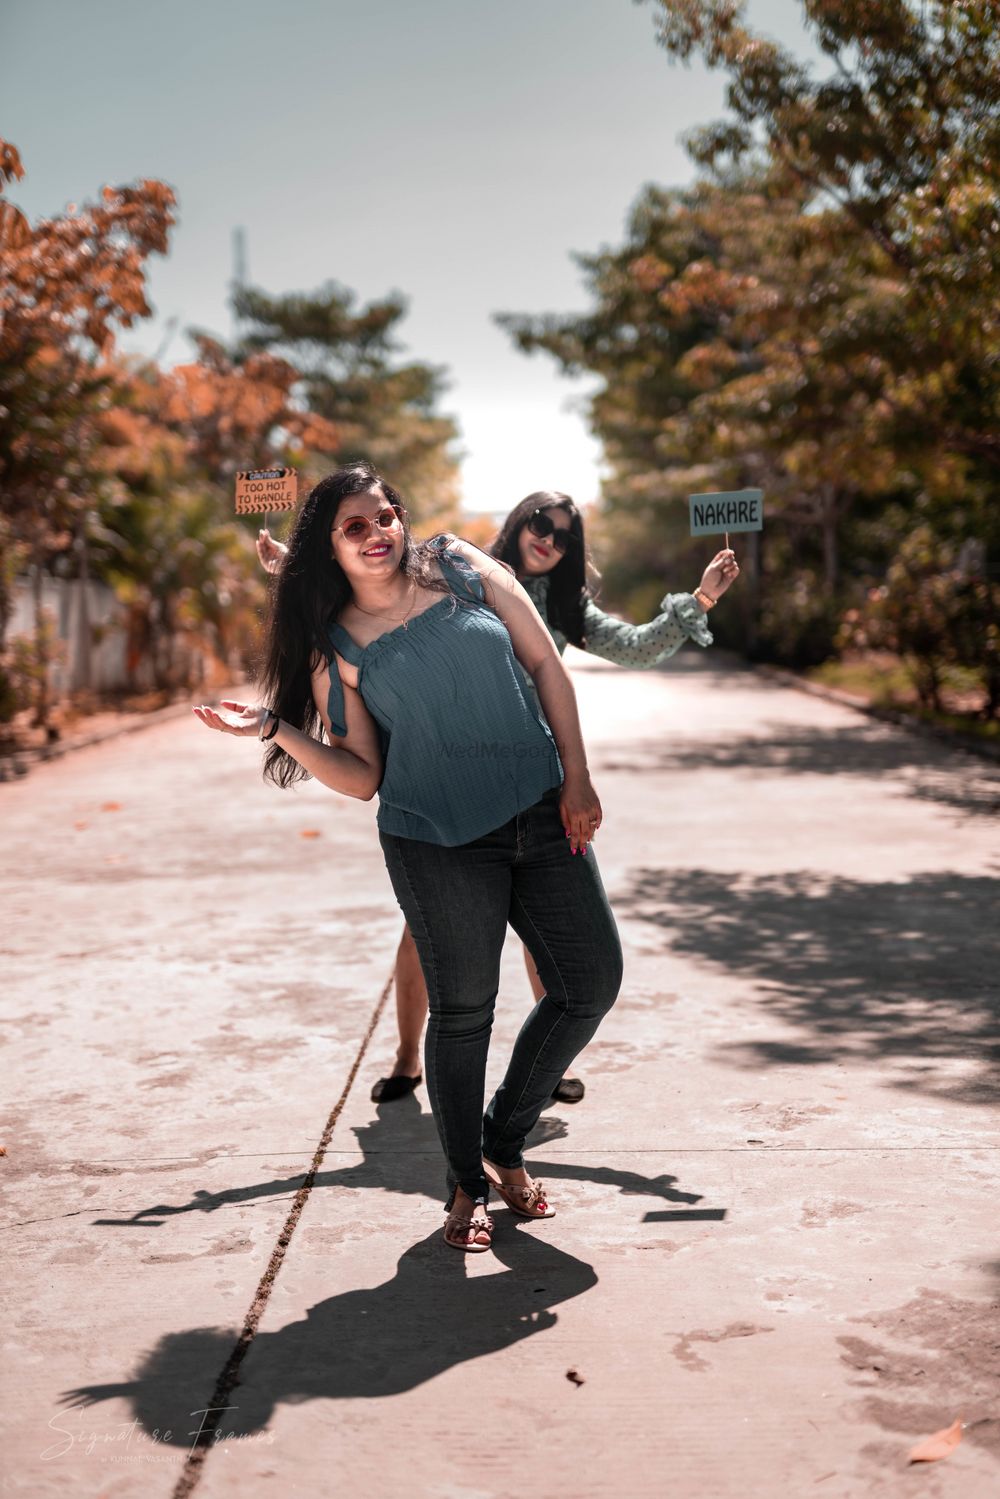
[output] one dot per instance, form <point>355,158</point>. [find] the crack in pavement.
<point>195,1462</point>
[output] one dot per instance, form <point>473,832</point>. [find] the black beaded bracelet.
<point>273,729</point>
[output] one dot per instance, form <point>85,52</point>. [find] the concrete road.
<point>774,1265</point>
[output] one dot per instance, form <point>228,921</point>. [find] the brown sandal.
<point>528,1202</point>
<point>457,1229</point>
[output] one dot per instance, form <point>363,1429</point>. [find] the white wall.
<point>62,598</point>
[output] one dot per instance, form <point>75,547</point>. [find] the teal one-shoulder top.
<point>465,744</point>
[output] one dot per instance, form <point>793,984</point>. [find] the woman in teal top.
<point>441,781</point>
<point>543,542</point>
<point>413,657</point>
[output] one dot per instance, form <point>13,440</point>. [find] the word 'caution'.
<point>265,489</point>
<point>730,510</point>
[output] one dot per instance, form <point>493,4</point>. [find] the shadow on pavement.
<point>938,1352</point>
<point>383,1339</point>
<point>914,766</point>
<point>366,1343</point>
<point>866,971</point>
<point>401,1154</point>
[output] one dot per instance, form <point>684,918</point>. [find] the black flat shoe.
<point>388,1089</point>
<point>568,1090</point>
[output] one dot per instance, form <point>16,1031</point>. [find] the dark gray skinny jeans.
<point>457,902</point>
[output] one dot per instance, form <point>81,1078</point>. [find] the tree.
<point>382,409</point>
<point>164,538</point>
<point>182,564</point>
<point>115,467</point>
<point>818,313</point>
<point>66,284</point>
<point>241,412</point>
<point>902,142</point>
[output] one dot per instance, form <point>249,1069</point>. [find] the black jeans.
<point>458,902</point>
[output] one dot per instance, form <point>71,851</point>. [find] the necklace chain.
<point>376,614</point>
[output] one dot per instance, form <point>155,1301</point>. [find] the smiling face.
<point>537,554</point>
<point>374,553</point>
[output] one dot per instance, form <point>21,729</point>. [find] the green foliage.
<point>67,285</point>
<point>817,316</point>
<point>25,661</point>
<point>380,407</point>
<point>936,611</point>
<point>186,575</point>
<point>797,624</point>
<point>118,470</point>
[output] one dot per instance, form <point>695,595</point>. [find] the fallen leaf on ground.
<point>111,806</point>
<point>940,1444</point>
<point>81,825</point>
<point>309,833</point>
<point>3,1150</point>
<point>572,1375</point>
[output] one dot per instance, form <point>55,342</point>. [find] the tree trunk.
<point>84,661</point>
<point>831,559</point>
<point>749,584</point>
<point>41,650</point>
<point>6,598</point>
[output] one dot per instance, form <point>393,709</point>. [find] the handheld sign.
<point>729,510</point>
<point>265,489</point>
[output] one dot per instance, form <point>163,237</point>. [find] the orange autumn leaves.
<point>14,228</point>
<point>234,410</point>
<point>75,277</point>
<point>67,284</point>
<point>939,1444</point>
<point>817,314</point>
<point>120,457</point>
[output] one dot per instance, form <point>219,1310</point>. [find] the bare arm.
<point>358,764</point>
<point>536,651</point>
<point>350,764</point>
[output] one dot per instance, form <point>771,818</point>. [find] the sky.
<point>450,150</point>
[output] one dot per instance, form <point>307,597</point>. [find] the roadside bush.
<point>797,624</point>
<point>936,609</point>
<point>24,670</point>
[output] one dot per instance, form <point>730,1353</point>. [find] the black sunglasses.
<point>541,524</point>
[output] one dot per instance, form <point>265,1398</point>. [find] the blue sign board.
<point>729,510</point>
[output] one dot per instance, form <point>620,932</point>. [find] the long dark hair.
<point>308,593</point>
<point>568,590</point>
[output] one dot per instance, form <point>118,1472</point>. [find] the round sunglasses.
<point>357,526</point>
<point>541,524</point>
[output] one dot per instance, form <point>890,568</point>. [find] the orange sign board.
<point>265,489</point>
